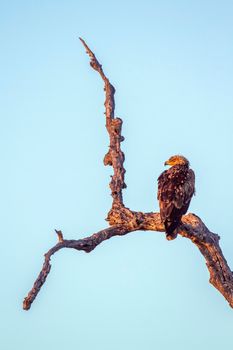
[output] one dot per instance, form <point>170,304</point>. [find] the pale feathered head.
<point>177,160</point>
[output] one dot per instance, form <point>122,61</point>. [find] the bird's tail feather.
<point>170,228</point>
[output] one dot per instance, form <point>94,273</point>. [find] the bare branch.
<point>122,220</point>
<point>86,244</point>
<point>129,221</point>
<point>221,276</point>
<point>114,157</point>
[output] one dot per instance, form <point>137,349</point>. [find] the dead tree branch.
<point>114,157</point>
<point>122,220</point>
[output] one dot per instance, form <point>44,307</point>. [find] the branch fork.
<point>122,220</point>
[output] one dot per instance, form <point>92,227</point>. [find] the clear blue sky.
<point>171,64</point>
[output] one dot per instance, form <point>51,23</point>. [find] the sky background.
<point>171,65</point>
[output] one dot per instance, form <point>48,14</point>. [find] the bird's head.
<point>177,160</point>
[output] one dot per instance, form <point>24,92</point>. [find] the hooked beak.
<point>166,163</point>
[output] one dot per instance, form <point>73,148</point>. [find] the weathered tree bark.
<point>122,220</point>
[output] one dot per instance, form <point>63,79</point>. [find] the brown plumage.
<point>176,187</point>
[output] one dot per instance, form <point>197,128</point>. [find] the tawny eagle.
<point>176,187</point>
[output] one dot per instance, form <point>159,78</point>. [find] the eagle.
<point>176,187</point>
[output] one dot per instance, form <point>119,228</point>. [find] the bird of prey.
<point>176,187</point>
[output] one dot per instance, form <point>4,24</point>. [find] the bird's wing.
<point>175,190</point>
<point>185,189</point>
<point>166,194</point>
